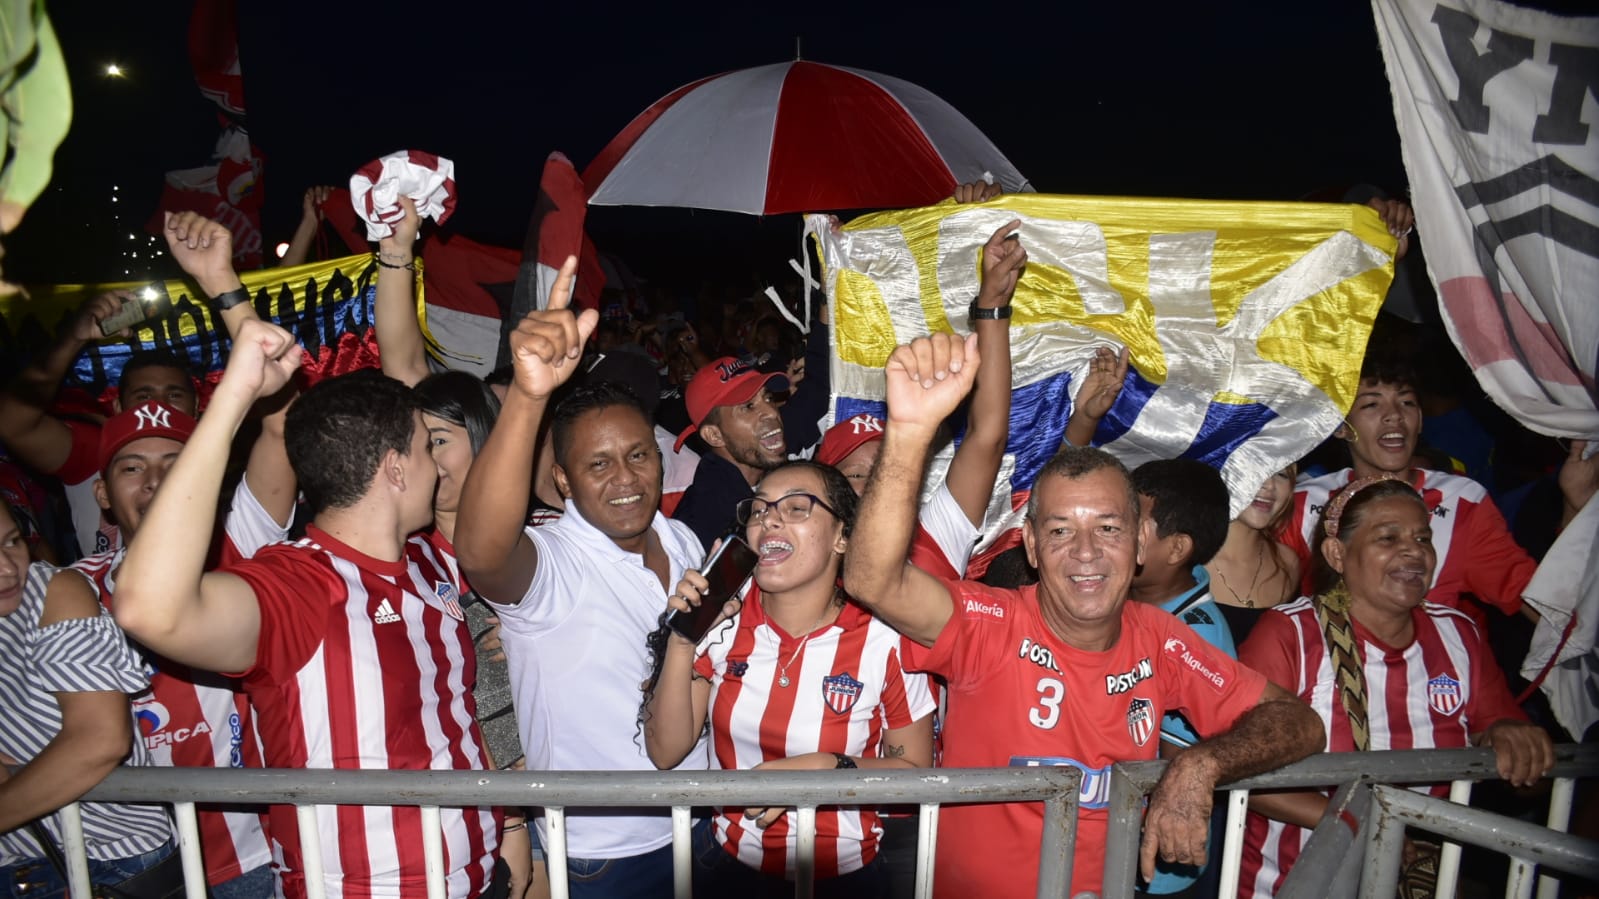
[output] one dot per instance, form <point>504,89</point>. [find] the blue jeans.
<point>36,878</point>
<point>647,876</point>
<point>255,883</point>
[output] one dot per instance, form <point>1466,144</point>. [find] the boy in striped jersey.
<point>193,718</point>
<point>1477,556</point>
<point>353,657</point>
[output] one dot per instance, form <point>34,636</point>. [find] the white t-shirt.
<point>945,524</point>
<point>576,650</point>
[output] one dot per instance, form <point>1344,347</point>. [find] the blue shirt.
<point>1197,610</point>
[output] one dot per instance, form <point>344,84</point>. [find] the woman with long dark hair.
<point>66,674</point>
<point>1252,571</point>
<point>798,677</point>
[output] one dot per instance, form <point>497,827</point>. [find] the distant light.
<point>112,70</point>
<point>282,250</point>
<point>113,199</point>
<point>133,237</point>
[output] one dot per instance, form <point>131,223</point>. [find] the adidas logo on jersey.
<point>385,613</point>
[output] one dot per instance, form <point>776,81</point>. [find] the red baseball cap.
<point>144,420</point>
<point>726,382</point>
<point>848,436</point>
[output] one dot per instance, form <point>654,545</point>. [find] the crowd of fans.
<point>417,569</point>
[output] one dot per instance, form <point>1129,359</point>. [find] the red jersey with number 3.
<point>1020,696</point>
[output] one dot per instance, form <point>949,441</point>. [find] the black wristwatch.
<point>844,761</point>
<point>225,301</point>
<point>977,313</point>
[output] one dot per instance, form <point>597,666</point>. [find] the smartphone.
<point>727,570</point>
<point>147,303</point>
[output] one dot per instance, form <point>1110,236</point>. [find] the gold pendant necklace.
<point>782,676</point>
<point>1248,599</point>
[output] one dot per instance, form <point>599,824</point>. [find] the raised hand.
<point>1102,384</point>
<point>311,204</point>
<point>547,343</point>
<point>203,248</point>
<point>977,191</point>
<point>1400,219</point>
<point>263,359</point>
<point>397,247</point>
<point>1579,477</point>
<point>1004,259</point>
<point>928,378</point>
<point>86,326</point>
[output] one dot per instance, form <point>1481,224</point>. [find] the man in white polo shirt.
<point>578,597</point>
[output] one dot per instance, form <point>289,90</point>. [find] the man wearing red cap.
<point>192,719</point>
<point>730,406</point>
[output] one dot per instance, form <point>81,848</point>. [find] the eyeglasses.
<point>791,509</point>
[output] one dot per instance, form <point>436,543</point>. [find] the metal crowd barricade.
<point>558,792</point>
<point>1337,859</point>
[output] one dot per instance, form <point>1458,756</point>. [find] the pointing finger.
<point>561,293</point>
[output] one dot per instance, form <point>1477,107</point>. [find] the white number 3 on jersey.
<point>1050,693</point>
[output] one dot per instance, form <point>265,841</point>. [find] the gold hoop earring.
<point>1354,435</point>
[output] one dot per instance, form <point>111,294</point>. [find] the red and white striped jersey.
<point>1433,694</point>
<point>197,719</point>
<point>364,663</point>
<point>845,688</point>
<point>1477,555</point>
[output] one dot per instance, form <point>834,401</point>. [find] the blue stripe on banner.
<point>1227,426</point>
<point>1038,416</point>
<point>850,406</point>
<point>1123,413</point>
<point>325,311</point>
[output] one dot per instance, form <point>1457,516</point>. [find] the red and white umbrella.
<point>795,137</point>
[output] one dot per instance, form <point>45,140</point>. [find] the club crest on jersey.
<point>447,596</point>
<point>840,692</point>
<point>1140,720</point>
<point>1443,694</point>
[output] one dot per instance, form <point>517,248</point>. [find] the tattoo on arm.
<point>891,751</point>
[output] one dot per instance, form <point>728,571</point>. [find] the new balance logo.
<point>385,613</point>
<point>152,417</point>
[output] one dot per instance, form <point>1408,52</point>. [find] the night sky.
<point>1244,101</point>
